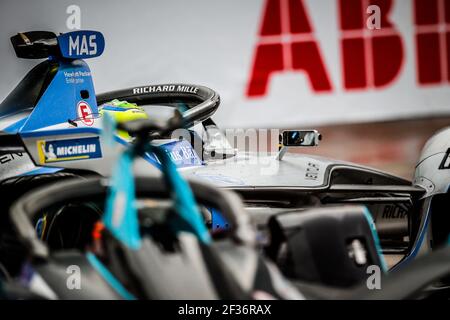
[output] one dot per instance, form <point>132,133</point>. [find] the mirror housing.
<point>300,138</point>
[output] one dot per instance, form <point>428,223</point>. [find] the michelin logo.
<point>50,154</point>
<point>69,150</point>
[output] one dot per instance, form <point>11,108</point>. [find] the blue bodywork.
<point>59,102</point>
<point>71,98</point>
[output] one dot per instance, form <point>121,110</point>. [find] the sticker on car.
<point>445,164</point>
<point>68,150</point>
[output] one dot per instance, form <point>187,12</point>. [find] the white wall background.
<point>212,42</point>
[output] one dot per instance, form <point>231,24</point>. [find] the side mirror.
<point>297,138</point>
<point>301,138</point>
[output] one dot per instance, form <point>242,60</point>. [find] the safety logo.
<point>84,113</point>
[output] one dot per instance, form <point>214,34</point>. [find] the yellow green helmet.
<point>123,111</point>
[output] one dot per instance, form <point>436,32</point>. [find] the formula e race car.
<point>150,241</point>
<point>52,129</point>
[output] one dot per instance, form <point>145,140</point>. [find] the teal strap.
<point>121,216</point>
<point>185,204</point>
<point>109,277</point>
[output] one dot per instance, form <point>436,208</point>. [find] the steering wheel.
<point>27,209</point>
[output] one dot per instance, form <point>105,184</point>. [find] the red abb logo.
<point>433,40</point>
<point>287,43</point>
<point>370,58</point>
